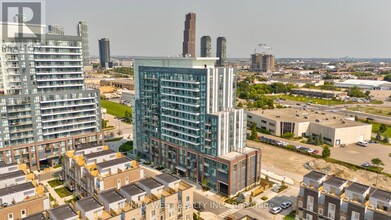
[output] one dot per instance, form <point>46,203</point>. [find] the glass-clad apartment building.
<point>186,120</point>
<point>44,106</point>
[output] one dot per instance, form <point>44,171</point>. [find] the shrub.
<point>288,135</point>
<point>326,152</point>
<point>264,198</point>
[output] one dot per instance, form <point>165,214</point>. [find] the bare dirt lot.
<point>294,165</point>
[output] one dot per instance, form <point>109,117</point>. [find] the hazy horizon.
<point>294,29</point>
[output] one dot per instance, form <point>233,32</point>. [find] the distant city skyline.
<point>301,28</point>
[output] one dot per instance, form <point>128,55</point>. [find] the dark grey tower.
<point>189,35</point>
<point>104,53</point>
<point>221,51</point>
<point>206,46</point>
<point>82,31</point>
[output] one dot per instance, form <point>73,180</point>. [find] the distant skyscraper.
<point>262,62</point>
<point>221,51</point>
<point>206,46</point>
<point>104,53</point>
<point>189,35</point>
<point>56,29</point>
<point>82,31</point>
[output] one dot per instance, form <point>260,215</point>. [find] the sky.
<point>293,28</point>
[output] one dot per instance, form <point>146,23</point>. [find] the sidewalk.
<point>277,178</point>
<point>53,193</point>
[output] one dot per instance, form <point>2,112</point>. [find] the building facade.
<point>317,93</point>
<point>45,108</point>
<point>91,169</point>
<point>189,36</point>
<point>334,129</point>
<point>186,121</point>
<point>82,31</point>
<point>104,53</point>
<point>221,51</point>
<point>206,46</point>
<point>328,197</point>
<point>56,29</point>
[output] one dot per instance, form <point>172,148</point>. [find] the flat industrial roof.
<point>10,175</point>
<point>364,82</point>
<point>168,178</point>
<point>315,175</point>
<point>63,212</point>
<point>3,164</point>
<point>150,183</point>
<point>357,188</point>
<point>111,196</point>
<point>89,203</point>
<point>16,188</point>
<point>38,216</point>
<point>313,116</point>
<point>132,189</point>
<point>113,162</point>
<point>99,154</point>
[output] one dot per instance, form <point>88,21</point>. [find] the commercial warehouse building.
<point>317,93</point>
<point>364,84</point>
<point>335,129</point>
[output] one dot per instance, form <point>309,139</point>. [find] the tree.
<point>378,136</point>
<point>128,116</point>
<point>355,92</point>
<point>382,128</point>
<point>288,135</point>
<point>104,123</point>
<point>326,152</point>
<point>388,78</point>
<point>240,105</point>
<point>310,139</point>
<point>254,133</point>
<point>317,141</point>
<point>385,139</point>
<point>377,162</point>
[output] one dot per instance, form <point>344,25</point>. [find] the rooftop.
<point>364,82</point>
<point>99,154</point>
<point>63,212</point>
<point>132,189</point>
<point>234,154</point>
<point>300,115</point>
<point>38,216</point>
<point>335,181</point>
<point>168,178</point>
<point>111,196</point>
<point>113,162</point>
<point>382,195</point>
<point>88,204</point>
<point>86,146</point>
<point>10,175</point>
<point>16,188</point>
<point>315,175</point>
<point>150,183</point>
<point>3,164</point>
<point>358,188</point>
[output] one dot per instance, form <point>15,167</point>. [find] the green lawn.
<point>311,100</point>
<point>127,146</point>
<point>115,109</point>
<point>56,182</point>
<point>63,192</point>
<point>290,216</point>
<point>375,128</point>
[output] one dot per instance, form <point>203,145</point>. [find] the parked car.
<point>298,147</point>
<point>315,152</point>
<point>199,207</point>
<point>370,119</point>
<point>276,210</point>
<point>286,205</point>
<point>310,150</point>
<point>362,143</point>
<point>366,164</point>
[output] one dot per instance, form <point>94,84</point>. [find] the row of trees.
<point>317,140</point>
<point>357,92</point>
<point>255,92</point>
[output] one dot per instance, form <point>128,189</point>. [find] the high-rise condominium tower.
<point>262,62</point>
<point>189,35</point>
<point>104,53</point>
<point>82,31</point>
<point>221,51</point>
<point>206,46</point>
<point>45,108</point>
<point>186,120</point>
<point>56,29</point>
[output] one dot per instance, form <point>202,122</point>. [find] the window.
<point>11,216</point>
<point>331,212</point>
<point>118,184</point>
<point>310,203</point>
<point>300,204</point>
<point>308,217</point>
<point>187,206</point>
<point>320,211</point>
<point>126,180</point>
<point>171,210</point>
<point>23,213</point>
<point>153,215</point>
<point>355,215</point>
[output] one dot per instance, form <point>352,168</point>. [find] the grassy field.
<point>384,111</point>
<point>115,108</point>
<point>311,100</point>
<point>375,128</point>
<point>291,216</point>
<point>63,192</point>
